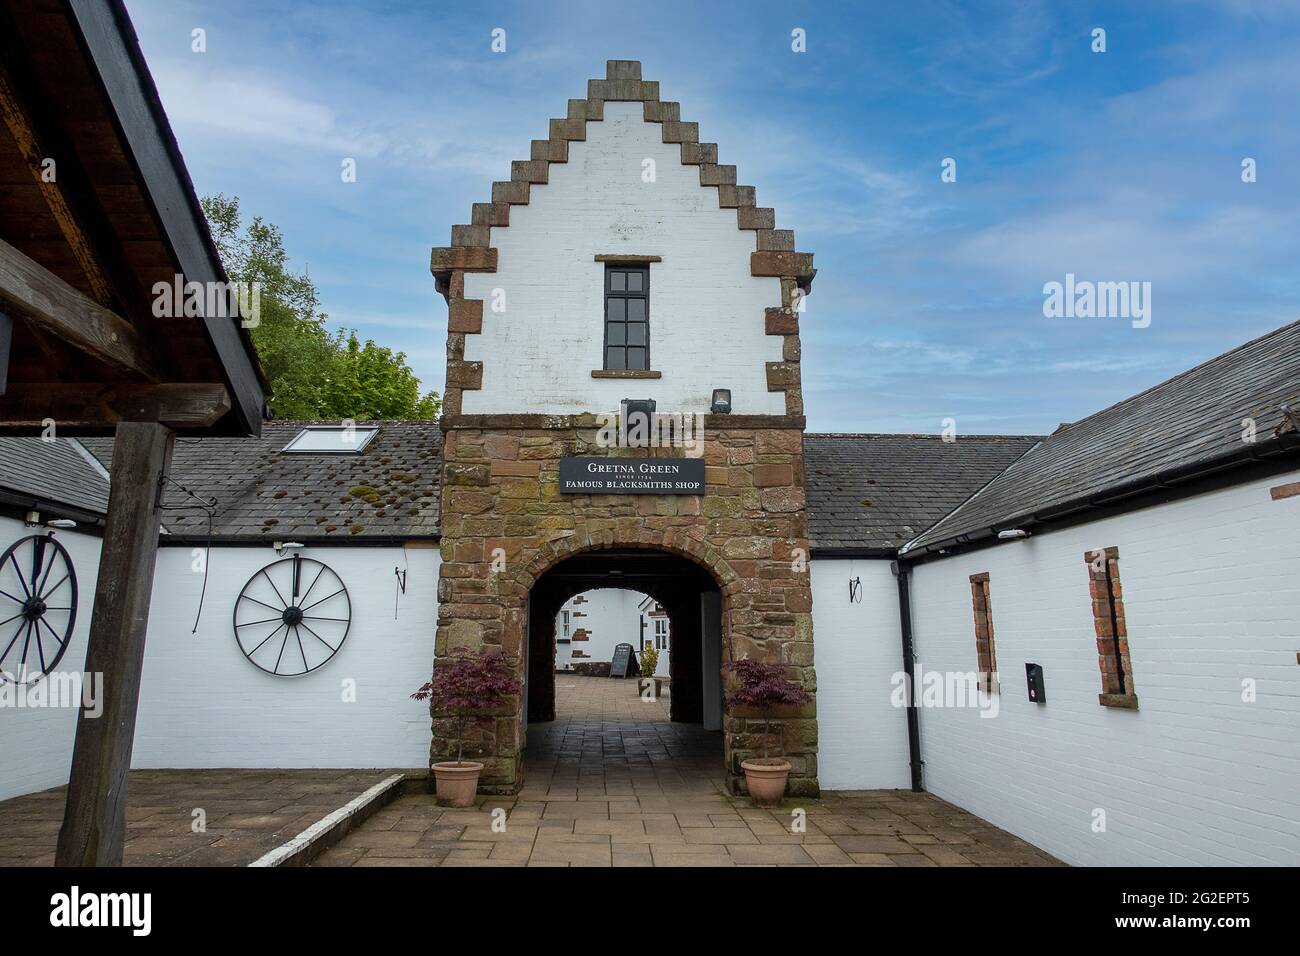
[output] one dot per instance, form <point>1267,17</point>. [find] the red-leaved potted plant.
<point>764,687</point>
<point>464,686</point>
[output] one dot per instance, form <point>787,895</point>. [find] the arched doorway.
<point>687,592</point>
<point>751,592</point>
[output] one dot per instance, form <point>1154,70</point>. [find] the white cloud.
<point>257,108</point>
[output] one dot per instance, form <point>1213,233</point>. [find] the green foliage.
<point>313,373</point>
<point>649,660</point>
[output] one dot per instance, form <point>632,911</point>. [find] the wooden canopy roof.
<point>95,208</point>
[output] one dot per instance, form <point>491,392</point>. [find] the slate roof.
<point>36,471</point>
<point>876,492</point>
<point>1171,430</point>
<point>389,490</point>
<point>866,493</point>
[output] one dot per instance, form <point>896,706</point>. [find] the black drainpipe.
<point>904,574</point>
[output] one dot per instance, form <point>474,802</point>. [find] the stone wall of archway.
<point>505,523</point>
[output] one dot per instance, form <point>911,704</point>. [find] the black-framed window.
<point>627,317</point>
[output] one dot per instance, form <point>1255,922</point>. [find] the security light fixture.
<point>282,546</point>
<point>62,523</point>
<point>721,404</point>
<point>1012,534</point>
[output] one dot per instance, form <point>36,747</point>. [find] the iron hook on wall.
<point>400,574</point>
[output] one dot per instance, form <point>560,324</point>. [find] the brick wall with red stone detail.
<point>985,652</point>
<point>501,497</point>
<point>1107,594</point>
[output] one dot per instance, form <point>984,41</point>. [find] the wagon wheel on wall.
<point>292,616</point>
<point>38,607</point>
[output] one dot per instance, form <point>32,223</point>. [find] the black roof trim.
<point>16,505</point>
<point>871,554</point>
<point>114,50</point>
<point>1267,458</point>
<point>307,541</point>
<point>1184,427</point>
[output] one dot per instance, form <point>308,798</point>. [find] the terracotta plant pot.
<point>765,779</point>
<point>456,783</point>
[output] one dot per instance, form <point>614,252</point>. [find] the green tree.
<point>314,373</point>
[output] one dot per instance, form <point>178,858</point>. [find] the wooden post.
<point>6,342</point>
<point>94,820</point>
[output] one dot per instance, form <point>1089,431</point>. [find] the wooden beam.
<point>46,301</point>
<point>115,52</point>
<point>184,405</point>
<point>6,343</point>
<point>94,818</point>
<point>20,128</point>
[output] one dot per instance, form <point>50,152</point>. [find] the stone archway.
<point>674,541</point>
<point>527,621</point>
<point>680,585</point>
<point>506,521</point>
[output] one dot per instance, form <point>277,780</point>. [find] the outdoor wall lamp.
<point>63,524</point>
<point>721,404</point>
<point>282,546</point>
<point>1012,534</point>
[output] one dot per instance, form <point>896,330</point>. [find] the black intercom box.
<point>1034,678</point>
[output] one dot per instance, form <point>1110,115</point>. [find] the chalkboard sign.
<point>632,476</point>
<point>624,663</point>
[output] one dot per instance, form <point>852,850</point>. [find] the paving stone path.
<point>613,783</point>
<point>245,814</point>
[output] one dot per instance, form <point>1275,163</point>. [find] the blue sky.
<point>1115,166</point>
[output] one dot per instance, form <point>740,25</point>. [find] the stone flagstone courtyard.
<point>245,813</point>
<point>612,782</point>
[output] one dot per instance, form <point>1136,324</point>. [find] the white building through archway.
<point>590,625</point>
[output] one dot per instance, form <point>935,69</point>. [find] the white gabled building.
<point>1101,626</point>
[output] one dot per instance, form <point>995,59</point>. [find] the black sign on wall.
<point>632,476</point>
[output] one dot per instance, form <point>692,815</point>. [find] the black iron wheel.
<point>292,616</point>
<point>38,607</point>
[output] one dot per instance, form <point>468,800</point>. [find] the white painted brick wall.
<point>1196,776</point>
<point>706,310</point>
<point>202,704</point>
<point>38,742</point>
<point>857,648</point>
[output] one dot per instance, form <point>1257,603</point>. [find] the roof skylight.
<point>332,440</point>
